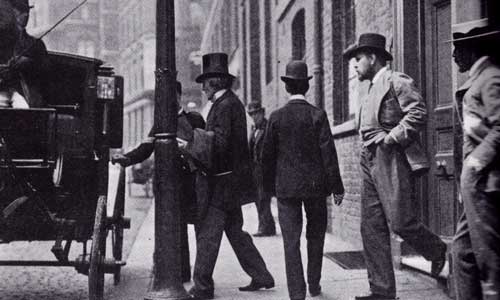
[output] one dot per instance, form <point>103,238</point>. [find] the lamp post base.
<point>174,293</point>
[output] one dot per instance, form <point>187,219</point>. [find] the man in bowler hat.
<point>266,226</point>
<point>230,184</point>
<point>476,246</point>
<point>300,166</point>
<point>390,118</point>
<point>186,174</point>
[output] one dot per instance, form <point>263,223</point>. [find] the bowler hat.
<point>214,65</point>
<point>296,70</point>
<point>22,5</point>
<point>369,41</point>
<point>473,31</point>
<point>254,107</point>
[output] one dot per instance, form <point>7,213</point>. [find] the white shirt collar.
<point>297,97</point>
<point>219,94</point>
<point>477,65</point>
<point>379,73</point>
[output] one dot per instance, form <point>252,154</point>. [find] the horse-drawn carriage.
<point>54,169</point>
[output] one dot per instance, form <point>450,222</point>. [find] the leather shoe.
<point>262,234</point>
<point>438,265</point>
<point>314,290</point>
<point>255,286</point>
<point>374,297</point>
<point>197,294</point>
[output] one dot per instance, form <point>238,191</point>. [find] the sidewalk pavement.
<point>337,283</point>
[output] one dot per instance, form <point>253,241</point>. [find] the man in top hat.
<point>300,166</point>
<point>30,58</point>
<point>187,175</point>
<point>476,247</point>
<point>267,226</point>
<point>390,118</point>
<point>230,184</point>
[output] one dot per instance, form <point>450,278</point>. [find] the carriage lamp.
<point>106,87</point>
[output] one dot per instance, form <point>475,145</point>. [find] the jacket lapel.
<point>379,89</point>
<point>214,105</point>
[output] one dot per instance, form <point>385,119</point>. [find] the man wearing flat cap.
<point>476,247</point>
<point>230,184</point>
<point>390,119</point>
<point>300,166</point>
<point>266,226</point>
<point>30,58</point>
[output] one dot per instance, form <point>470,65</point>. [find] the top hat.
<point>370,41</point>
<point>22,5</point>
<point>473,31</point>
<point>296,70</point>
<point>254,107</point>
<point>214,65</point>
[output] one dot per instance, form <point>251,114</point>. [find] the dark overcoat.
<point>227,120</point>
<point>187,176</point>
<point>34,68</point>
<point>299,158</point>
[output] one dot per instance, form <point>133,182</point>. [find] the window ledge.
<point>346,128</point>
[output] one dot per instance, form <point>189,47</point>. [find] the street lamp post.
<point>167,279</point>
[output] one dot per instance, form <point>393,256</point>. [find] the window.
<point>267,39</point>
<point>299,35</point>
<point>345,83</point>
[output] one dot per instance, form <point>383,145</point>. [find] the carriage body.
<point>54,164</point>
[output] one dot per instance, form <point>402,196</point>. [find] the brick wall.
<point>344,220</point>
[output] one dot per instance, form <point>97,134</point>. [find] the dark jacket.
<point>404,114</point>
<point>33,69</point>
<point>187,176</point>
<point>299,158</point>
<point>146,148</point>
<point>227,119</point>
<point>257,141</point>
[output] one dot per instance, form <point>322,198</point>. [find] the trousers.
<point>208,239</point>
<point>290,220</point>
<point>476,246</point>
<point>386,205</point>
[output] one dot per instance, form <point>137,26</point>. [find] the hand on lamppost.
<point>182,144</point>
<point>338,198</point>
<point>120,159</point>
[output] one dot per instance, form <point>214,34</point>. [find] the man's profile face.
<point>463,58</point>
<point>257,117</point>
<point>208,89</point>
<point>22,18</point>
<point>364,66</point>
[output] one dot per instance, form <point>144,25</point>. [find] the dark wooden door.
<point>440,209</point>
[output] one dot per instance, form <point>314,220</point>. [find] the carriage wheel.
<point>118,213</point>
<point>98,252</point>
<point>117,251</point>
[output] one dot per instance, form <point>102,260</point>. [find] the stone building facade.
<point>271,32</point>
<point>89,31</point>
<point>137,55</point>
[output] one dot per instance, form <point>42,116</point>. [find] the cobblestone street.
<point>61,283</point>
